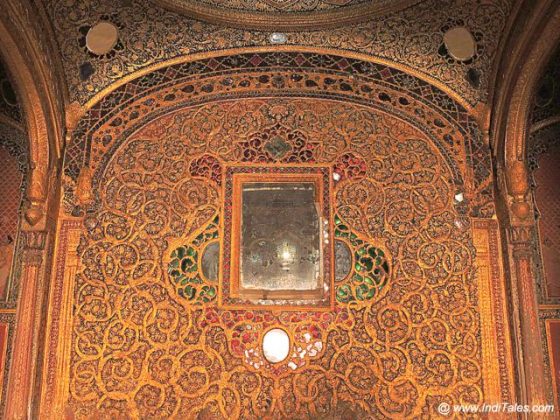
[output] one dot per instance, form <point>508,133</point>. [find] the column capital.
<point>34,244</point>
<point>35,240</point>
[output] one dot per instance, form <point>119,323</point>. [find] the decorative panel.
<point>406,328</point>
<point>246,281</point>
<point>139,347</point>
<point>57,362</point>
<point>496,351</point>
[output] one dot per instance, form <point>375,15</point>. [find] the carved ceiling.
<point>285,14</point>
<point>411,39</point>
<point>287,5</point>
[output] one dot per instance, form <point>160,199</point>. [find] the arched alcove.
<point>14,172</point>
<point>543,152</point>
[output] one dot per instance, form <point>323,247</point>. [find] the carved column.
<point>22,371</point>
<point>520,229</point>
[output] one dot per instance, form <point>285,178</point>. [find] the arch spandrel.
<point>418,29</point>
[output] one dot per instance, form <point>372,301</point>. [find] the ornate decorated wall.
<point>127,180</point>
<point>146,175</point>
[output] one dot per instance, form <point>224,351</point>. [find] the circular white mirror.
<point>276,345</point>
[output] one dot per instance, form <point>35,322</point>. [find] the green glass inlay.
<point>371,268</point>
<point>183,267</point>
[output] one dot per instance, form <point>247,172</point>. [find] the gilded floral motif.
<point>141,350</point>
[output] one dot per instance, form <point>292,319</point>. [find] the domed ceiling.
<point>285,14</point>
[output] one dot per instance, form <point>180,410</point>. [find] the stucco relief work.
<point>139,348</point>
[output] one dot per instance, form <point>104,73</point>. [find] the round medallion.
<point>342,260</point>
<point>460,43</point>
<point>276,345</point>
<point>102,38</point>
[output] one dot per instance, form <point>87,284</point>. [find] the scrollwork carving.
<point>141,348</point>
<point>410,37</point>
<point>185,267</point>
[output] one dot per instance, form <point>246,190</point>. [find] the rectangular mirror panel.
<point>280,237</point>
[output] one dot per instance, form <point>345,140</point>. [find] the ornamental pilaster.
<point>521,225</point>
<point>23,366</point>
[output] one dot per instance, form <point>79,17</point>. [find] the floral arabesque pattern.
<point>185,267</point>
<point>412,37</point>
<point>277,144</point>
<point>349,166</point>
<point>207,166</point>
<point>140,350</point>
<point>370,272</point>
